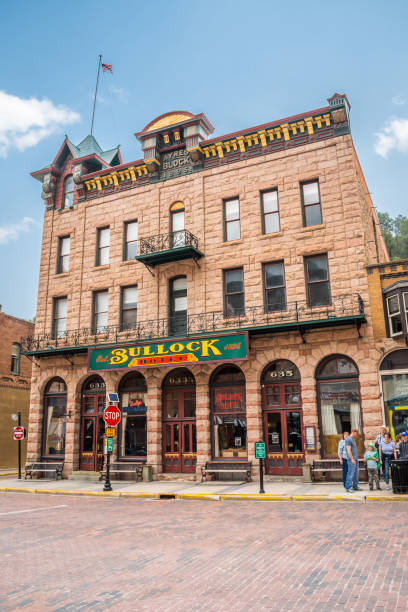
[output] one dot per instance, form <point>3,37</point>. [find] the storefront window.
<point>395,390</point>
<point>55,409</point>
<point>229,414</point>
<point>133,402</point>
<point>339,403</point>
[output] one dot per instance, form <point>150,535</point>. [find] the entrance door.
<point>179,431</point>
<point>93,432</point>
<point>284,442</point>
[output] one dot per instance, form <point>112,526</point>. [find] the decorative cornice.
<point>116,177</point>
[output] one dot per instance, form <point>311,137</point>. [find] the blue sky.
<point>241,63</point>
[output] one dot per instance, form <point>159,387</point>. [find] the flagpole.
<point>96,92</point>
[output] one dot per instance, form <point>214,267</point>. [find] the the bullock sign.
<point>232,347</point>
<point>111,416</point>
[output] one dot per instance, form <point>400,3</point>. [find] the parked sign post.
<point>260,453</point>
<point>111,416</point>
<point>19,434</point>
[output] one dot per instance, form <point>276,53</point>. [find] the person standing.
<point>403,447</point>
<point>342,455</point>
<point>352,462</point>
<point>378,440</point>
<point>387,452</point>
<point>371,457</point>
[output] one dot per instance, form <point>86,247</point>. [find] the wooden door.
<point>179,431</point>
<point>284,442</point>
<point>92,440</point>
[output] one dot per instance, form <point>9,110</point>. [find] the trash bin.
<point>399,476</point>
<point>147,473</point>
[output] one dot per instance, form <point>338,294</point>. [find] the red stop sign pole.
<point>19,434</point>
<point>111,416</point>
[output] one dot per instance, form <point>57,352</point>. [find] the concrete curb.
<point>211,496</point>
<point>9,473</point>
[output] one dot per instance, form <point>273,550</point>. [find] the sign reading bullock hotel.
<point>185,351</point>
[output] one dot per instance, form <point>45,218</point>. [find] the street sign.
<point>111,416</point>
<point>110,432</point>
<point>18,433</point>
<point>260,450</point>
<point>113,397</point>
<point>109,444</point>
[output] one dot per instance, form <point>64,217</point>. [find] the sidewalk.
<point>215,490</point>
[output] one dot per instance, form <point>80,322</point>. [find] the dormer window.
<point>68,195</point>
<point>396,308</point>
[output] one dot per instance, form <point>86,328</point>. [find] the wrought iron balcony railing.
<point>163,248</point>
<point>344,310</point>
<point>165,242</point>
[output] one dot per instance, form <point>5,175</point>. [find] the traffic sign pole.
<point>108,486</point>
<point>261,489</point>
<point>111,416</point>
<point>19,447</point>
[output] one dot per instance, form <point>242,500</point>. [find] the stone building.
<point>219,285</point>
<point>15,378</point>
<point>388,290</point>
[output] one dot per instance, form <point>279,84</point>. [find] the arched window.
<point>177,225</point>
<point>339,402</point>
<point>178,306</point>
<point>394,383</point>
<point>55,409</point>
<point>93,395</point>
<point>133,430</point>
<point>68,192</point>
<point>229,432</point>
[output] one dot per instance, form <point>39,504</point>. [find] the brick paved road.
<point>72,554</point>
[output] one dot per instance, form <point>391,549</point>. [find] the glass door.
<point>284,442</point>
<point>179,431</point>
<point>93,433</point>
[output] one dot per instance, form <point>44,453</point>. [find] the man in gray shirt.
<point>352,461</point>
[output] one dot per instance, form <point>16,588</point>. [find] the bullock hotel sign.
<point>190,351</point>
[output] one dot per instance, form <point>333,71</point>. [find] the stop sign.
<point>111,416</point>
<point>18,433</point>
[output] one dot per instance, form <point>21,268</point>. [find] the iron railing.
<point>293,316</point>
<point>165,242</point>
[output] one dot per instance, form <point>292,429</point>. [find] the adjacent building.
<point>219,285</point>
<point>15,378</point>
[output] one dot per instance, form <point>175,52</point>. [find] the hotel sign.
<point>232,347</point>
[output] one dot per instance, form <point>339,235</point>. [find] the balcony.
<point>298,316</point>
<point>164,248</point>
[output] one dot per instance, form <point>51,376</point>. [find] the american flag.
<point>106,67</point>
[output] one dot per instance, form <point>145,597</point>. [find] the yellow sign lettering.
<point>190,347</point>
<point>160,350</point>
<point>134,352</point>
<point>118,356</point>
<point>146,351</point>
<point>207,345</point>
<point>177,347</point>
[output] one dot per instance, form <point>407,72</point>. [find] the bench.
<point>326,466</point>
<point>221,467</point>
<point>132,469</point>
<point>44,468</point>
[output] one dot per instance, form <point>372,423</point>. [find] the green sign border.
<point>231,355</point>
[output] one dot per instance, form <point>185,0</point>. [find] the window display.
<point>55,417</point>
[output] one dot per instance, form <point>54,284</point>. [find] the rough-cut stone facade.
<point>14,387</point>
<point>348,233</point>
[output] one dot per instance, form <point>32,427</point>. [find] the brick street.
<point>71,554</point>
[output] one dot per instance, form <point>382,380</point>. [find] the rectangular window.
<point>63,254</point>
<point>311,206</point>
<point>274,286</point>
<point>270,211</point>
<point>317,280</point>
<point>394,314</point>
<point>232,228</point>
<point>234,297</point>
<point>15,358</point>
<point>102,246</point>
<point>130,241</point>
<point>129,308</point>
<point>59,324</point>
<point>100,312</point>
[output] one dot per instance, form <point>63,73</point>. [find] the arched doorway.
<point>229,427</point>
<point>394,385</point>
<point>282,418</point>
<point>133,431</point>
<point>339,403</point>
<point>93,401</point>
<point>179,422</point>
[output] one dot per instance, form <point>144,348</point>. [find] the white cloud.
<point>393,136</point>
<point>122,94</point>
<point>399,100</point>
<point>23,123</point>
<point>10,233</point>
